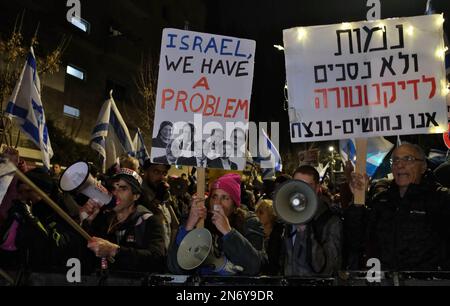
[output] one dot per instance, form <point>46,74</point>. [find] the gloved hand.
<point>22,212</point>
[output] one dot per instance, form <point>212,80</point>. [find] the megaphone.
<point>196,249</point>
<point>76,178</point>
<point>178,186</point>
<point>295,202</point>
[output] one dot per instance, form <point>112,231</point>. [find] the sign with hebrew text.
<point>366,79</point>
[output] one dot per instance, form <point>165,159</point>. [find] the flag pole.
<point>53,205</point>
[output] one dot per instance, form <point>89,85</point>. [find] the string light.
<point>346,25</point>
<point>279,47</point>
<point>440,53</point>
<point>445,87</point>
<point>301,34</point>
<point>410,31</point>
<point>440,20</point>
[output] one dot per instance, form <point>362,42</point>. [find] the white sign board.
<point>366,79</point>
<point>203,100</point>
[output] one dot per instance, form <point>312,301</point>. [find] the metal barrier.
<point>346,278</point>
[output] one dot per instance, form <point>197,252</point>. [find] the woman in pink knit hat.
<point>237,234</point>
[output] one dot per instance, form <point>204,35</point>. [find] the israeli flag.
<point>26,107</point>
<point>268,157</point>
<point>141,151</point>
<point>110,137</point>
<point>377,149</point>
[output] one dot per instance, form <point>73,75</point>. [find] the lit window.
<point>81,24</point>
<point>76,72</point>
<point>71,111</point>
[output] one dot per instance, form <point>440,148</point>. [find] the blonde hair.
<point>129,162</point>
<point>266,205</point>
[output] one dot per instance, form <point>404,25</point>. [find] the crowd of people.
<point>403,223</point>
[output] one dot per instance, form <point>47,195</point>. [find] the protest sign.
<point>366,79</point>
<point>203,100</point>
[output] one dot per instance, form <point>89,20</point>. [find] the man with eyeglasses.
<point>405,222</point>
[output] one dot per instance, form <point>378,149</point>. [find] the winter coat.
<point>405,233</point>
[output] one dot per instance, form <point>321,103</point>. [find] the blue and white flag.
<point>377,149</point>
<point>110,137</point>
<point>268,157</point>
<point>26,107</point>
<point>141,151</point>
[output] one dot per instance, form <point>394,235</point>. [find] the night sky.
<point>264,22</point>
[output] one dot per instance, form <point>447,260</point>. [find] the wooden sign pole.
<point>201,191</point>
<point>360,167</point>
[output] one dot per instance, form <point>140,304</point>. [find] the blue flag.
<point>141,151</point>
<point>26,107</point>
<point>377,149</point>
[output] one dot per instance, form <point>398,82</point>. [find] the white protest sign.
<point>366,79</point>
<point>203,100</point>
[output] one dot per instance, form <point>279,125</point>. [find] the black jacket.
<point>44,240</point>
<point>408,233</point>
<point>323,253</point>
<point>140,238</point>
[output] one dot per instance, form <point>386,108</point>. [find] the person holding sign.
<point>237,234</point>
<point>405,222</point>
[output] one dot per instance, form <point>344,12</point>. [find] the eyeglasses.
<point>406,159</point>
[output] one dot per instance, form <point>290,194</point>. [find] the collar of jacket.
<point>132,219</point>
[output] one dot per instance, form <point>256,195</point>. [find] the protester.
<point>130,234</point>
<point>237,234</point>
<point>405,222</point>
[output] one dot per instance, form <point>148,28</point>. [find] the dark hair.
<point>282,178</point>
<point>148,164</point>
<point>308,170</point>
<point>192,128</point>
<point>162,125</point>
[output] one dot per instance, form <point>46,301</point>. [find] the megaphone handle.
<point>201,191</point>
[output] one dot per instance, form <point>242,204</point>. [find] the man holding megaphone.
<point>129,233</point>
<point>312,239</point>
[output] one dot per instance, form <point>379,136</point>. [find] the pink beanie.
<point>231,184</point>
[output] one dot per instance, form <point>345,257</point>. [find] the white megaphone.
<point>295,202</point>
<point>196,249</point>
<point>78,179</point>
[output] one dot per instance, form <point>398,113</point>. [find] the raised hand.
<point>220,220</point>
<point>197,212</point>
